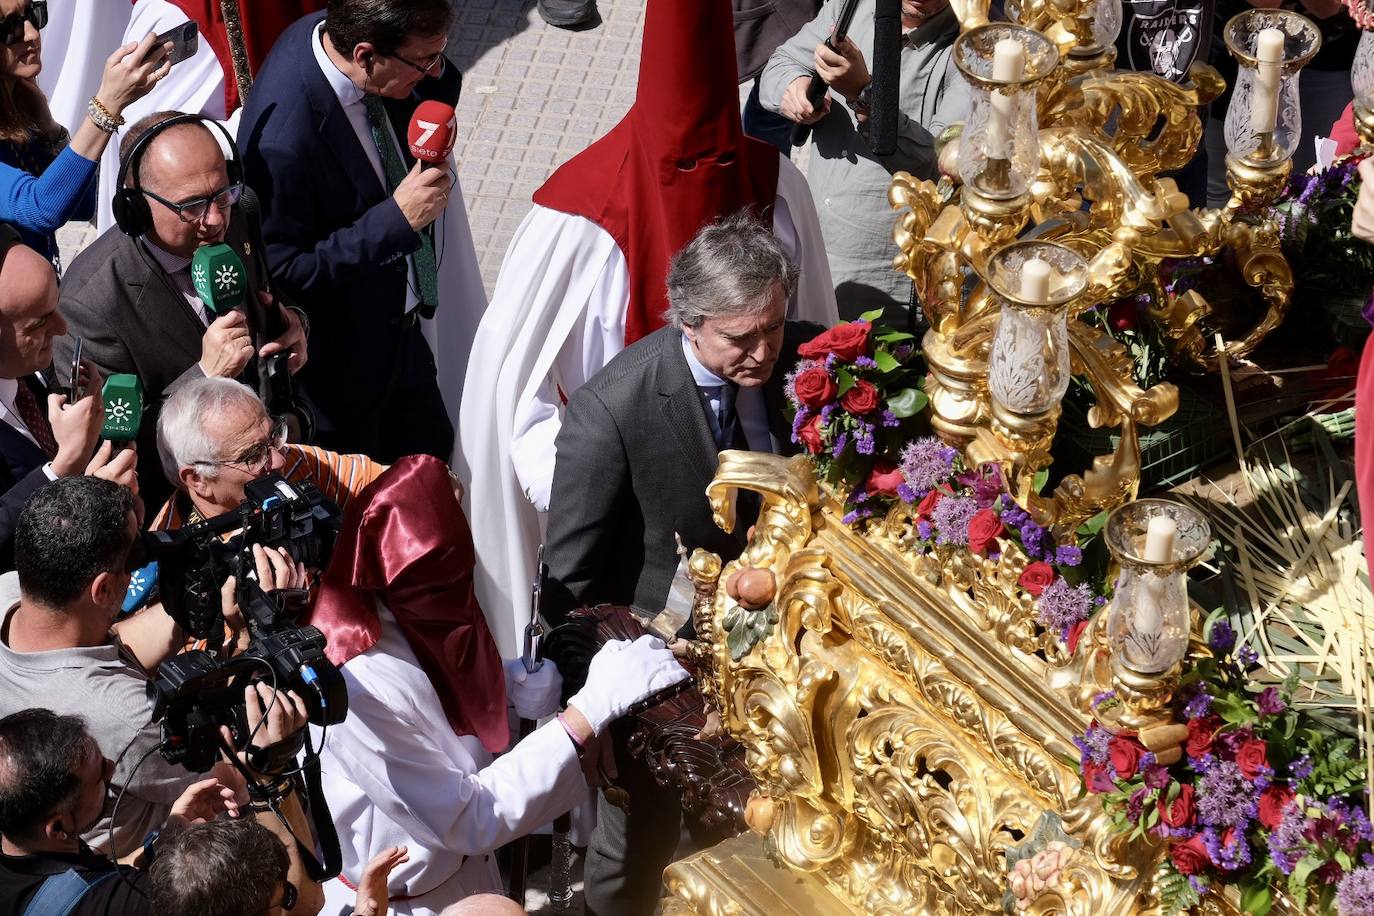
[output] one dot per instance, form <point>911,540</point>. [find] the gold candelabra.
<point>1060,148</point>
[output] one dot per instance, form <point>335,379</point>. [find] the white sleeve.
<point>596,335</point>
<point>797,226</point>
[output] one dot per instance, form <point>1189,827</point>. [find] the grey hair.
<point>729,268</point>
<point>181,437</point>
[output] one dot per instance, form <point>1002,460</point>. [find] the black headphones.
<point>131,211</point>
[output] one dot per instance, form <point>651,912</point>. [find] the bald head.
<point>485,905</point>
<point>178,166</point>
<point>28,311</point>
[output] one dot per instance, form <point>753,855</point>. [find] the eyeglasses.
<point>193,211</point>
<point>259,456</point>
<point>433,68</point>
<point>12,27</point>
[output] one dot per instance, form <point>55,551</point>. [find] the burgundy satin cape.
<point>678,160</point>
<point>263,21</point>
<point>406,539</point>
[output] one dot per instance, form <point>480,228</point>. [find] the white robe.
<point>80,35</point>
<point>558,316</point>
<point>196,85</point>
<point>395,774</point>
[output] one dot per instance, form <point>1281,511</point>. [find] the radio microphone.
<point>433,130</point>
<point>122,398</point>
<point>219,277</point>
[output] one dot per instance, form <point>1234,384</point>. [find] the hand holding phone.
<point>185,39</point>
<point>77,385</point>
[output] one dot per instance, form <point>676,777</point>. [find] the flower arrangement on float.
<point>1261,796</point>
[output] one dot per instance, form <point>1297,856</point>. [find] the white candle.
<point>1035,280</point>
<point>1264,106</point>
<point>1008,65</point>
<point>1160,534</point>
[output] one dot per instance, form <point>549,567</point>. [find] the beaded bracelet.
<point>101,117</point>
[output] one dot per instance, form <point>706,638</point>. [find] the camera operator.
<point>130,295</point>
<point>54,782</point>
<point>75,546</point>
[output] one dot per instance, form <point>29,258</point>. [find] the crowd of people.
<point>285,291</point>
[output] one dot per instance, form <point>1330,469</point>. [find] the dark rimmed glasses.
<point>12,27</point>
<point>433,68</point>
<point>193,211</point>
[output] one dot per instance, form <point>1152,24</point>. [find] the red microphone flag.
<point>433,129</point>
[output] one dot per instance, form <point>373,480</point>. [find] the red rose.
<point>1125,754</point>
<point>810,435</point>
<point>983,529</point>
<point>1273,802</point>
<point>1200,734</point>
<point>815,388</point>
<point>1252,757</point>
<point>1122,315</point>
<point>847,341</point>
<point>1075,634</point>
<point>861,399</point>
<point>1179,812</point>
<point>927,504</point>
<point>884,478</point>
<point>1096,778</point>
<point>1190,857</point>
<point>1035,577</point>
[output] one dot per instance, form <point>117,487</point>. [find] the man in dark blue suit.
<point>348,214</point>
<point>42,437</point>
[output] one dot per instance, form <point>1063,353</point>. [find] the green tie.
<point>425,267</point>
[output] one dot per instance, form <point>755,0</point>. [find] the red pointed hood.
<point>679,158</point>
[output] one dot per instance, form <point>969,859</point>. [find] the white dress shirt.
<point>351,98</point>
<point>749,402</point>
<point>9,390</point>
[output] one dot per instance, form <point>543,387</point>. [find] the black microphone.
<point>886,74</point>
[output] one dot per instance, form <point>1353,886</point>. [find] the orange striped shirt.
<point>339,477</point>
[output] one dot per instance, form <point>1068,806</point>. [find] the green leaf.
<point>895,336</point>
<point>1041,478</point>
<point>885,361</point>
<point>907,403</point>
<point>871,315</point>
<point>1174,789</point>
<point>1093,525</point>
<point>1256,898</point>
<point>846,381</point>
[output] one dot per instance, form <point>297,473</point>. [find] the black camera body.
<point>199,691</point>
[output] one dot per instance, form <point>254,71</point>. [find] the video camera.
<point>198,691</point>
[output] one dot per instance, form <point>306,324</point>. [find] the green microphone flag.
<point>219,277</point>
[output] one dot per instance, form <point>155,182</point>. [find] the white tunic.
<point>395,774</point>
<point>558,316</point>
<point>80,36</point>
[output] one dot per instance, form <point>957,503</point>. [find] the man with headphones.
<point>130,297</point>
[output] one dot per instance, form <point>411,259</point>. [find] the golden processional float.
<point>914,729</point>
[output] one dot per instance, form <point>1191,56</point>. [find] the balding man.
<point>42,436</point>
<point>130,296</point>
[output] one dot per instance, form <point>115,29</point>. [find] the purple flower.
<point>1199,705</point>
<point>1247,657</point>
<point>1355,893</point>
<point>1222,638</point>
<point>1061,605</point>
<point>1301,768</point>
<point>864,362</point>
<point>1270,703</point>
<point>1227,856</point>
<point>951,517</point>
<point>986,483</point>
<point>1136,803</point>
<point>1068,555</point>
<point>1094,745</point>
<point>1156,776</point>
<point>1225,797</point>
<point>1286,844</point>
<point>926,463</point>
<point>841,443</point>
<point>1034,539</point>
<point>906,494</point>
<point>924,530</point>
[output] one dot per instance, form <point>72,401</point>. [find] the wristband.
<point>264,797</point>
<point>102,118</point>
<point>572,735</point>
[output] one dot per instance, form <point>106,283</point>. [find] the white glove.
<point>622,674</point>
<point>535,695</point>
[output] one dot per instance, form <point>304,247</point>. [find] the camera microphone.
<point>433,130</point>
<point>122,399</point>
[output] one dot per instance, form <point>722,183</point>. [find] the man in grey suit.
<point>638,446</point>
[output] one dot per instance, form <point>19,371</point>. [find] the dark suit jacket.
<point>133,319</point>
<point>21,472</point>
<point>635,455</point>
<point>336,241</point>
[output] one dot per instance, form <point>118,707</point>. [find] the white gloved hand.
<point>534,695</point>
<point>622,674</point>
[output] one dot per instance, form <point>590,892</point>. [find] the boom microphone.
<point>433,130</point>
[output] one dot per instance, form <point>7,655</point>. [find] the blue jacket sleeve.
<point>44,204</point>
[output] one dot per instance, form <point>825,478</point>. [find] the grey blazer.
<point>635,455</point>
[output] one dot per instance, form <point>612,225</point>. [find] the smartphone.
<point>75,389</point>
<point>185,38</point>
